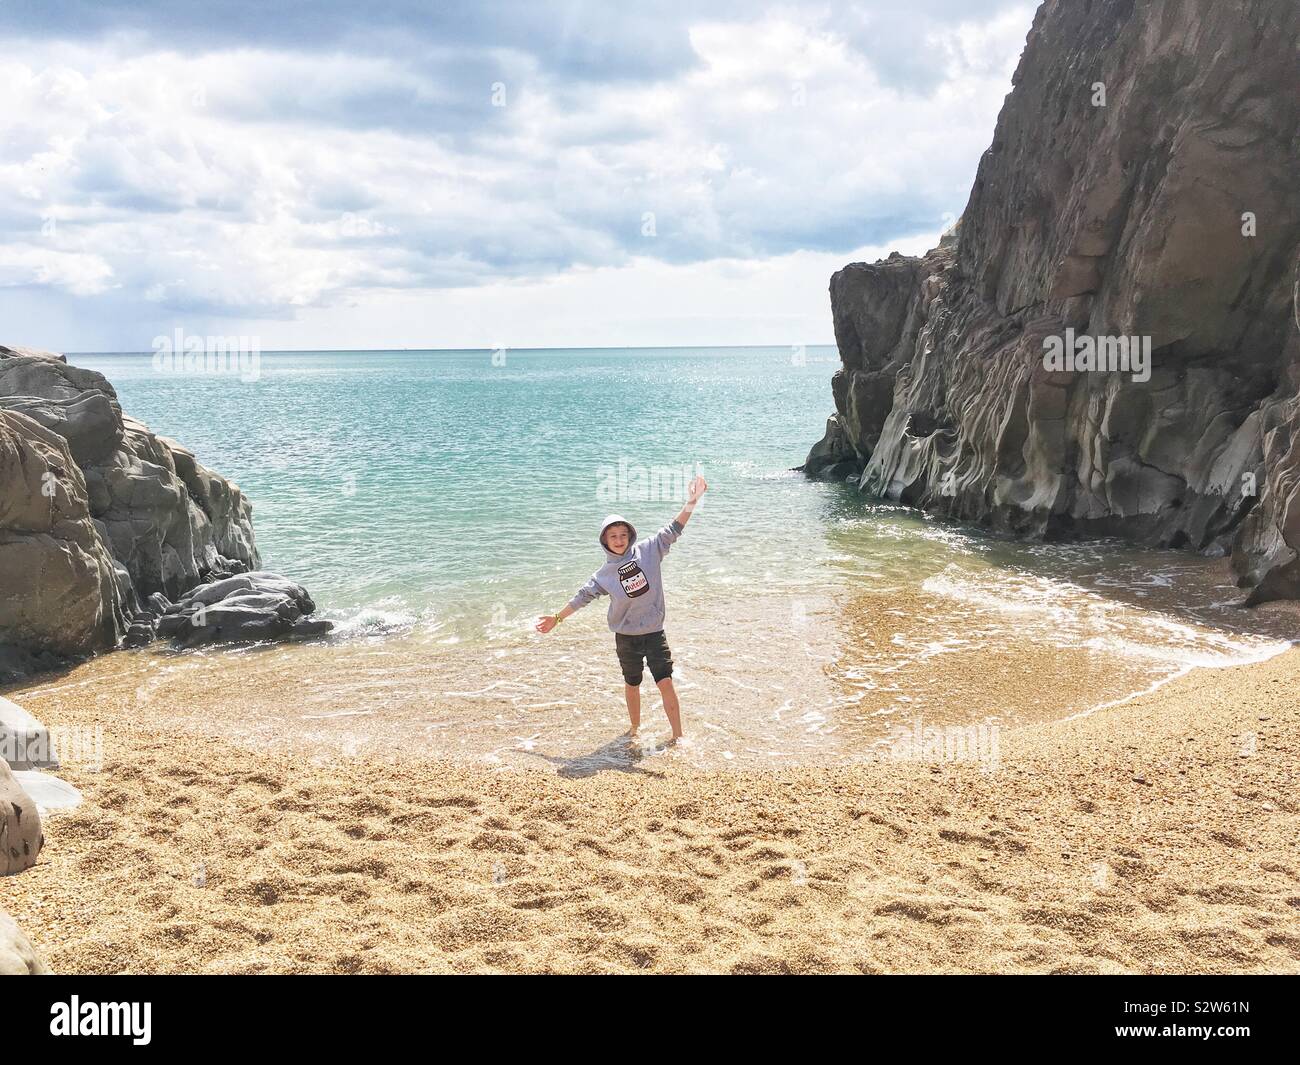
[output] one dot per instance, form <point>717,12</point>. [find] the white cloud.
<point>79,274</point>
<point>310,187</point>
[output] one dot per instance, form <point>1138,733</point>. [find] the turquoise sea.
<point>434,502</point>
<point>450,486</point>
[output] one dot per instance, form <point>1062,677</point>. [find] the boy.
<point>631,579</point>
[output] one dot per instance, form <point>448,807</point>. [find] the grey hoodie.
<point>631,580</point>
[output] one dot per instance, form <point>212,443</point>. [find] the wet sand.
<point>768,682</point>
<point>1159,835</point>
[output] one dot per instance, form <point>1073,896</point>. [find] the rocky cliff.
<point>103,524</point>
<point>1139,192</point>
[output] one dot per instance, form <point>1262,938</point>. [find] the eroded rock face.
<point>102,522</point>
<point>166,518</point>
<point>62,593</point>
<point>1127,219</point>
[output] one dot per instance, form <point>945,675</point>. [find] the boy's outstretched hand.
<point>546,623</point>
<point>694,490</point>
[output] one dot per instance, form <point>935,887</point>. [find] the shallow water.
<point>435,503</point>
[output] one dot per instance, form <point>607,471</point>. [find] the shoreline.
<point>822,678</point>
<point>1187,671</point>
<point>1158,836</point>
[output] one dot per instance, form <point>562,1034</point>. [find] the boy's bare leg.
<point>632,693</point>
<point>671,707</point>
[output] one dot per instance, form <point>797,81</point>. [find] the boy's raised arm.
<point>697,488</point>
<point>667,536</point>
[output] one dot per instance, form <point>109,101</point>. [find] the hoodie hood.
<point>616,519</point>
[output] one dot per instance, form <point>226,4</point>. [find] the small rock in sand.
<point>20,825</point>
<point>17,955</point>
<point>48,792</point>
<point>24,741</point>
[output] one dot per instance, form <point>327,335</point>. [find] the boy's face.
<point>616,537</point>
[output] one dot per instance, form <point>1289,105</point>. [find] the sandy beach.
<point>1155,836</point>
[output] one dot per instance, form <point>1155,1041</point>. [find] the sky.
<point>542,173</point>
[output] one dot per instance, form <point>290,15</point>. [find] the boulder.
<point>245,608</point>
<point>17,955</point>
<point>20,825</point>
<point>142,631</point>
<point>50,794</point>
<point>1166,214</point>
<point>24,742</point>
<point>168,519</point>
<point>833,457</point>
<point>103,524</point>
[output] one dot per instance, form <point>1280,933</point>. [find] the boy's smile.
<point>616,538</point>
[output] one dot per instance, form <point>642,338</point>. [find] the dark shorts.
<point>652,648</point>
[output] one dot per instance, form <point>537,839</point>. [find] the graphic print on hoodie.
<point>633,581</point>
